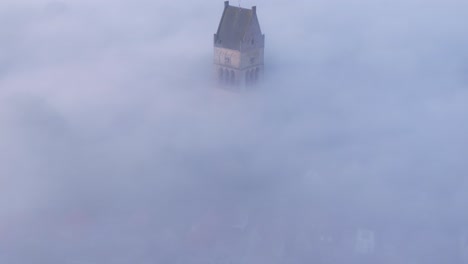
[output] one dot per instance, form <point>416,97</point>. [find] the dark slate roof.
<point>234,23</point>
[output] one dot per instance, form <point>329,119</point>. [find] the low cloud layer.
<point>117,147</point>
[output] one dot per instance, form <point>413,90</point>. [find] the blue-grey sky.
<point>108,115</point>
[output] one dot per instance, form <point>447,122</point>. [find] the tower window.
<point>252,41</point>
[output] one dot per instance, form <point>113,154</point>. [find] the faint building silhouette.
<point>238,48</point>
<point>365,241</point>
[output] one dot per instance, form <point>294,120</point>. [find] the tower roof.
<point>233,25</point>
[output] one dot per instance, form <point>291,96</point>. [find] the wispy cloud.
<point>112,134</point>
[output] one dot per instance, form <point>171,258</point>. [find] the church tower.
<point>238,48</point>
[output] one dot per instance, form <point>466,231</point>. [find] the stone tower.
<point>238,48</point>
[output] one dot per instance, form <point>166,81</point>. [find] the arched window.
<point>233,77</point>
<point>252,76</point>
<point>247,77</point>
<point>220,74</point>
<point>226,76</point>
<point>257,71</point>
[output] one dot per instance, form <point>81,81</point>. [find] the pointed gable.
<point>233,26</point>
